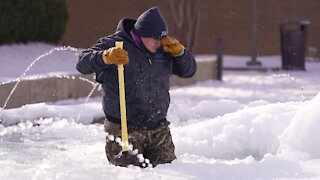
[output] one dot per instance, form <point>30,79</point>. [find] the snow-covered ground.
<point>253,125</point>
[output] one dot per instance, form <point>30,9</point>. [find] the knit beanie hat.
<point>152,24</point>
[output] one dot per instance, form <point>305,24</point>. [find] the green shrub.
<point>32,20</point>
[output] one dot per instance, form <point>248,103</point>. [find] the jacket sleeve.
<point>184,66</point>
<point>90,60</point>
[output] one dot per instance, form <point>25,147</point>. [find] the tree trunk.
<point>185,15</point>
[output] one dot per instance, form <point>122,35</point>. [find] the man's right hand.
<point>115,56</point>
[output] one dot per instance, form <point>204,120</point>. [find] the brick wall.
<point>230,19</point>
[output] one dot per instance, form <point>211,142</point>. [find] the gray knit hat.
<point>151,23</point>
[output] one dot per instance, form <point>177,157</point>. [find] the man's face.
<point>151,44</point>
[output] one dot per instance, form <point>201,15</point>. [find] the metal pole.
<point>254,61</point>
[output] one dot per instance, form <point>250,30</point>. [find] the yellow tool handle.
<point>124,129</point>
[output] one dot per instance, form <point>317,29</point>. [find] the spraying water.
<point>68,48</point>
<point>18,80</point>
<point>86,100</point>
<point>42,56</point>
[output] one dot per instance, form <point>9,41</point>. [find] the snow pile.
<point>71,109</point>
<point>252,131</point>
<point>302,135</point>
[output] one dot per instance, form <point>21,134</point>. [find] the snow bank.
<point>81,113</point>
<point>251,131</point>
<point>302,135</point>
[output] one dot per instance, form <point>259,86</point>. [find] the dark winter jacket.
<point>146,78</point>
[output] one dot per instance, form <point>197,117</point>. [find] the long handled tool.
<point>124,129</point>
<point>125,156</point>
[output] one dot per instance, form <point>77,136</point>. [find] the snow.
<point>253,125</point>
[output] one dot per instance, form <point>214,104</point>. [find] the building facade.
<point>197,23</point>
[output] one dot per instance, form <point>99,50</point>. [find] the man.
<point>150,58</point>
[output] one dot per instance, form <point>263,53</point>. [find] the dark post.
<point>254,61</point>
<point>219,41</point>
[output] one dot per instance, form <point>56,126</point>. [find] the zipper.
<point>149,59</point>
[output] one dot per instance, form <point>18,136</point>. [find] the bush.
<point>32,20</point>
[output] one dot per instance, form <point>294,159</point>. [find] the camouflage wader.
<point>155,144</point>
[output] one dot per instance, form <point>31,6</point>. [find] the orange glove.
<point>115,56</point>
<point>172,46</point>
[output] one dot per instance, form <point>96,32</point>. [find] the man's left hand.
<point>172,46</point>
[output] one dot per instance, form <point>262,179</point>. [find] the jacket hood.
<point>124,27</point>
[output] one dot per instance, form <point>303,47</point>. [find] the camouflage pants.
<point>155,145</point>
